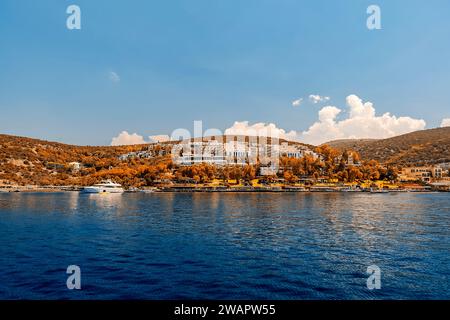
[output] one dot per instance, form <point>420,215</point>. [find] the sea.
<point>274,246</point>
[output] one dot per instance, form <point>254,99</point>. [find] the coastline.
<point>194,189</point>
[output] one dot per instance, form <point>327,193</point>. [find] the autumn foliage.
<point>26,161</point>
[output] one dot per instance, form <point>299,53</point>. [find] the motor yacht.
<point>107,186</point>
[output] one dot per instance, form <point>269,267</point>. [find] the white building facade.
<point>236,152</point>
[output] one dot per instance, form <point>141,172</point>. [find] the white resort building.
<point>252,150</point>
<point>230,150</point>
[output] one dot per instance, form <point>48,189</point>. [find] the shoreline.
<point>223,190</point>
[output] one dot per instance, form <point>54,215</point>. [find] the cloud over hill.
<point>360,123</point>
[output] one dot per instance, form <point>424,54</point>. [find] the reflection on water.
<point>225,245</point>
<point>105,201</point>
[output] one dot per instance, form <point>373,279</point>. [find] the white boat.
<point>149,190</point>
<point>104,187</point>
<point>372,190</point>
<point>349,189</point>
<point>132,189</point>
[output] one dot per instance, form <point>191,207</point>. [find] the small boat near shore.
<point>350,189</point>
<point>149,190</point>
<point>372,190</point>
<point>107,186</point>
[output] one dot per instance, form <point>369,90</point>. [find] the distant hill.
<point>416,148</point>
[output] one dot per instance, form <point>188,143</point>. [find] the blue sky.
<point>216,61</point>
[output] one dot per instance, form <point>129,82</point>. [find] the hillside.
<point>417,148</point>
<point>27,161</point>
<point>32,161</point>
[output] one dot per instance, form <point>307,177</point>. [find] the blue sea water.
<point>225,245</point>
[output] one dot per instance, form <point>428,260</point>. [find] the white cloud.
<point>314,98</point>
<point>114,77</point>
<point>259,129</point>
<point>445,122</point>
<point>361,122</point>
<point>159,138</point>
<point>124,138</point>
<point>297,102</point>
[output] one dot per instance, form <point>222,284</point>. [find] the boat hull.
<point>102,190</point>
